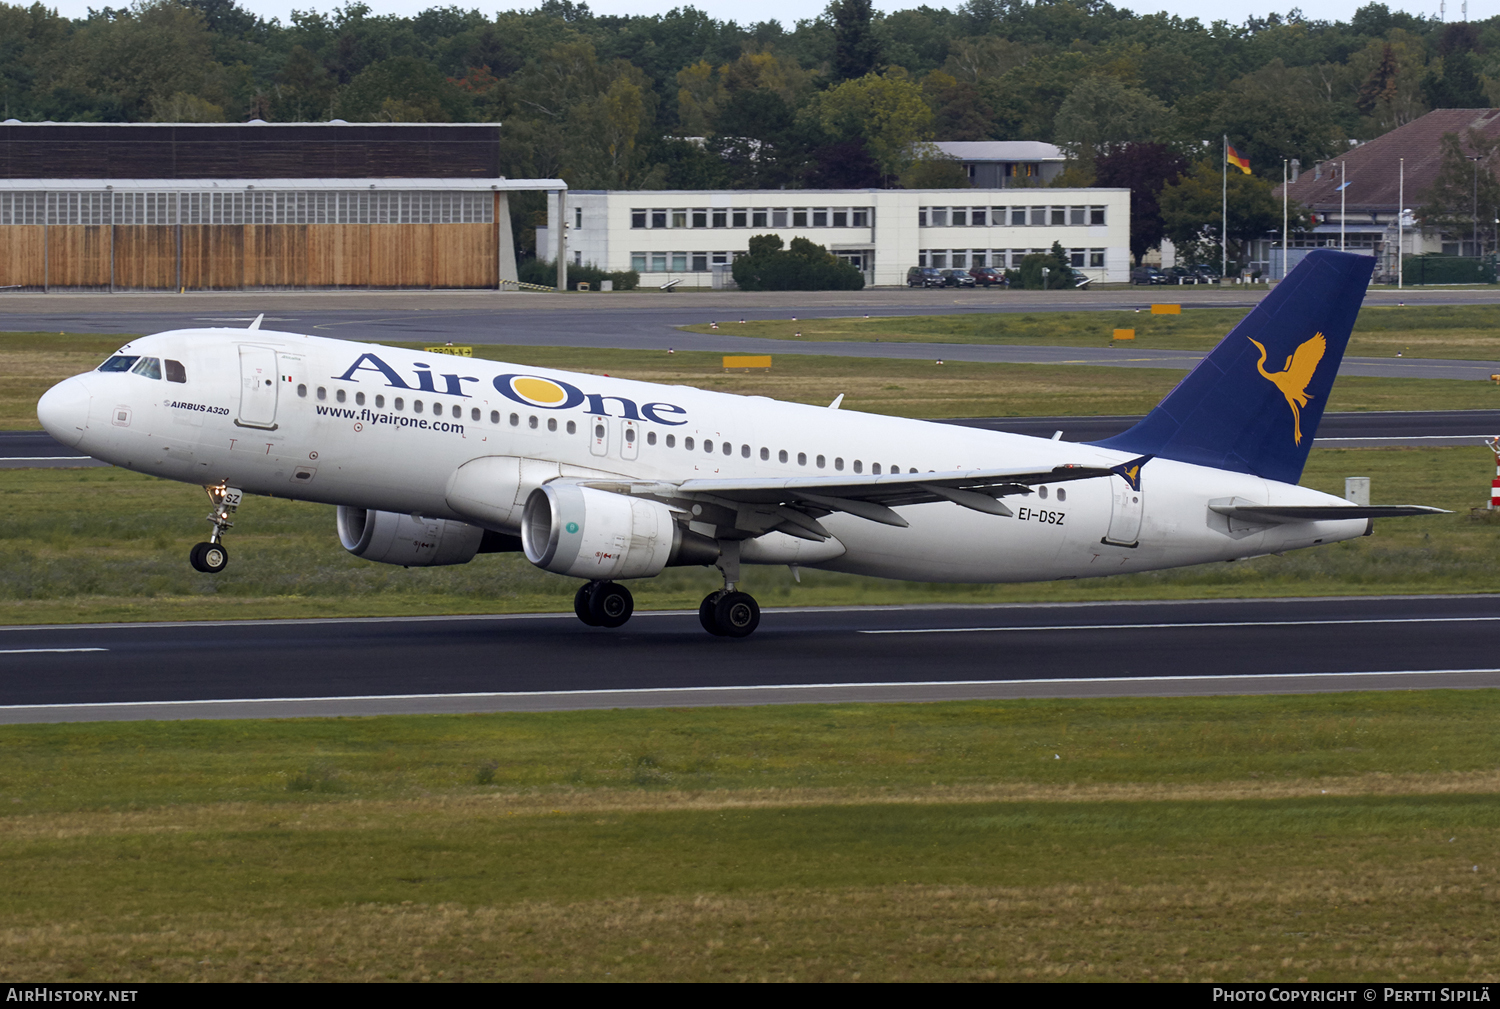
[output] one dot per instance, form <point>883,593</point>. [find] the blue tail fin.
<point>1253,404</point>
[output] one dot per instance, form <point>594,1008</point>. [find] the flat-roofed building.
<point>1006,164</point>
<point>693,236</point>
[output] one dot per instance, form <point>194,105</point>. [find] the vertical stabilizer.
<point>1253,404</point>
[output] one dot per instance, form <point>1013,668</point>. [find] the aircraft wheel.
<point>611,605</point>
<point>210,558</point>
<point>737,614</point>
<point>706,613</point>
<point>581,603</point>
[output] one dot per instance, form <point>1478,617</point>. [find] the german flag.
<point>1242,163</point>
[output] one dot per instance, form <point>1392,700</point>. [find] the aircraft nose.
<point>64,411</point>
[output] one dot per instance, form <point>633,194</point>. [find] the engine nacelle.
<point>393,538</point>
<point>597,534</point>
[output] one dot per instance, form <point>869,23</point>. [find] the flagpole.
<point>1400,225</point>
<point>1283,218</point>
<point>1343,196</point>
<point>1224,213</point>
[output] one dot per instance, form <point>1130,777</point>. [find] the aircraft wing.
<point>793,504</point>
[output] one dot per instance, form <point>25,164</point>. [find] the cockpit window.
<point>150,367</point>
<point>176,372</point>
<point>119,362</point>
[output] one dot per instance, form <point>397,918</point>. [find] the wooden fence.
<point>232,257</point>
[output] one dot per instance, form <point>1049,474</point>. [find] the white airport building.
<point>692,236</point>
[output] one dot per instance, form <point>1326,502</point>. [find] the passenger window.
<point>671,441</point>
<point>874,468</point>
<point>150,367</point>
<point>119,363</point>
<point>551,423</point>
<point>416,404</point>
<point>1062,494</point>
<point>494,416</point>
<point>729,449</point>
<point>515,419</point>
<point>781,456</point>
<point>323,394</point>
<point>801,458</point>
<point>572,427</point>
<point>474,413</point>
<point>399,404</point>
<point>687,443</point>
<point>838,463</point>
<point>765,454</point>
<point>359,399</point>
<point>339,395</point>
<point>1041,492</point>
<point>176,372</point>
<point>302,390</point>
<point>859,467</point>
<point>630,436</point>
<point>531,422</point>
<point>708,446</point>
<point>650,437</point>
<point>822,462</point>
<point>380,402</point>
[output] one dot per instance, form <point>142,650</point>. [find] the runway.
<point>257,669</point>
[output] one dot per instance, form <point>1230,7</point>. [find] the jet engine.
<point>600,535</point>
<point>393,538</point>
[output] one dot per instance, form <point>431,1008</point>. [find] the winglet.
<point>836,401</point>
<point>1130,471</point>
<point>256,324</point>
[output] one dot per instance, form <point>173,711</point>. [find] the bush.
<point>803,267</point>
<point>1059,273</point>
<point>544,273</point>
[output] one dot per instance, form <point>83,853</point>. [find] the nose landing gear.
<point>213,557</point>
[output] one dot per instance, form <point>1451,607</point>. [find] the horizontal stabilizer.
<point>1320,513</point>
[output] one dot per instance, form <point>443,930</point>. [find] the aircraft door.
<point>599,435</point>
<point>630,433</point>
<point>1126,508</point>
<point>259,387</point>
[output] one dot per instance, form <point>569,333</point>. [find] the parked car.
<point>1205,274</point>
<point>988,276</point>
<point>957,278</point>
<point>1147,275</point>
<point>1180,275</point>
<point>925,276</point>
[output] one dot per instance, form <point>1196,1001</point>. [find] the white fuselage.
<point>328,427</point>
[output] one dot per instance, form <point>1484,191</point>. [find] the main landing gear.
<point>729,613</point>
<point>213,557</point>
<point>603,604</point>
<point>726,614</point>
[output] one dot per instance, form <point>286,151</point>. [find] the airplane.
<point>433,459</point>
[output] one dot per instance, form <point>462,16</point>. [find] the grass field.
<point>32,362</point>
<point>1351,837</point>
<point>106,544</point>
<point>1466,332</point>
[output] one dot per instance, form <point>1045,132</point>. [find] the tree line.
<point>847,99</point>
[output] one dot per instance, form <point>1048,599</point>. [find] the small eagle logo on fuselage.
<point>1295,376</point>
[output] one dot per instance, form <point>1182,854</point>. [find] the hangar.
<point>257,206</point>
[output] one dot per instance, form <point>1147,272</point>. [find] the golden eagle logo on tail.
<point>1295,376</point>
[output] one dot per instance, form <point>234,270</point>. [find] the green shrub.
<point>544,273</point>
<point>802,267</point>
